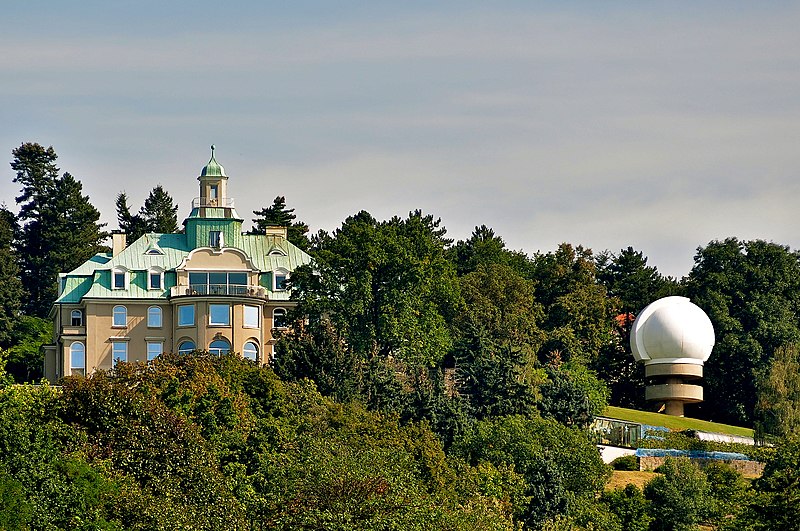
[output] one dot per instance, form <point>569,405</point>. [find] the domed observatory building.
<point>674,338</point>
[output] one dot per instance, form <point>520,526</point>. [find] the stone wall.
<point>746,468</point>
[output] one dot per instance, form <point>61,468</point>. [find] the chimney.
<point>275,230</point>
<point>118,242</point>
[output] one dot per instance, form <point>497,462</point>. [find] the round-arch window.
<point>186,347</point>
<point>120,314</point>
<point>77,358</point>
<point>218,347</point>
<point>278,318</point>
<point>154,317</point>
<point>250,351</point>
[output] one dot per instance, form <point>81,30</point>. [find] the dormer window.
<point>280,276</point>
<point>155,278</point>
<point>152,246</point>
<point>119,278</point>
<point>215,239</point>
<point>276,251</point>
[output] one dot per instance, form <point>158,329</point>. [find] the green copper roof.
<point>89,266</point>
<point>166,252</point>
<point>213,168</point>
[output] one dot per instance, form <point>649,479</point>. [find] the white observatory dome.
<point>672,330</point>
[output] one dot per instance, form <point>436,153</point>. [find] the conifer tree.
<point>11,292</point>
<point>160,213</point>
<point>60,228</point>
<point>132,224</point>
<point>278,215</point>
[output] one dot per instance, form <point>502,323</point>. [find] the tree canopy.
<point>278,215</point>
<point>59,230</point>
<point>159,214</point>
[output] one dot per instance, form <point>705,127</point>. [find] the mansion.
<point>210,287</point>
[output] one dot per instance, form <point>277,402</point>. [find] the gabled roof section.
<point>90,265</point>
<point>74,289</point>
<point>135,256</point>
<point>261,249</point>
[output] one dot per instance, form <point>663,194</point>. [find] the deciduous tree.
<point>751,292</point>
<point>387,290</point>
<point>777,412</point>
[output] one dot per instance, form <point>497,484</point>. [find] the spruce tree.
<point>278,215</point>
<point>133,224</point>
<point>160,213</point>
<point>60,228</point>
<point>11,292</point>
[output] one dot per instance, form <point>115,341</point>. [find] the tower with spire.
<point>210,288</point>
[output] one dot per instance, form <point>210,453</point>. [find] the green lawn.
<point>673,423</point>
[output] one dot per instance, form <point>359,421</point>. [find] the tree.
<point>680,498</point>
<point>389,293</point>
<point>558,464</point>
<point>751,292</point>
<point>278,215</point>
<point>60,228</point>
<point>572,394</point>
<point>630,507</point>
<point>777,412</point>
<point>775,505</point>
<point>497,340</point>
<point>158,214</point>
<point>11,292</point>
<point>132,224</point>
<point>627,277</point>
<point>484,248</point>
<point>579,314</point>
<point>25,358</point>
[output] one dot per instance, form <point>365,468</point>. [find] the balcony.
<point>199,202</point>
<point>215,290</point>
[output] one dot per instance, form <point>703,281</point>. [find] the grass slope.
<point>673,423</point>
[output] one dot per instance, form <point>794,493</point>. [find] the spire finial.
<point>212,151</point>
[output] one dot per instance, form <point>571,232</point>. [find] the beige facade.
<point>210,288</point>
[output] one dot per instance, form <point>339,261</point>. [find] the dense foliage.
<point>423,384</point>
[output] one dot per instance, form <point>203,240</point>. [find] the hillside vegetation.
<point>673,423</point>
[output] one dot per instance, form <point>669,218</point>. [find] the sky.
<point>657,125</point>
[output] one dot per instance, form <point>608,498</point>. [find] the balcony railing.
<point>206,290</point>
<point>198,202</point>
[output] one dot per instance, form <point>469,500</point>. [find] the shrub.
<point>625,462</point>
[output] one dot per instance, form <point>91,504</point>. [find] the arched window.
<point>120,314</point>
<point>218,347</point>
<point>186,347</point>
<point>154,317</point>
<point>250,351</point>
<point>77,359</point>
<point>76,316</point>
<point>279,318</point>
